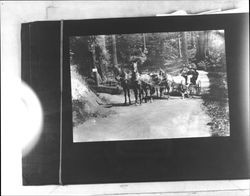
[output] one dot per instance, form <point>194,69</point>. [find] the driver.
<point>184,73</point>
<point>195,75</point>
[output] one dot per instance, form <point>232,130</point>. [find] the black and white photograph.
<point>125,98</point>
<point>146,86</point>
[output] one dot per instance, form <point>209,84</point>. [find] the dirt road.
<point>172,118</point>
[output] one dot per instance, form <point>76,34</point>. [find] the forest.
<point>169,51</point>
<point>93,59</point>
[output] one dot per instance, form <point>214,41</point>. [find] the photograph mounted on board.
<point>146,86</point>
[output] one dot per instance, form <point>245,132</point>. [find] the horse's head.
<point>162,73</point>
<point>120,73</point>
<point>154,76</point>
<point>116,70</point>
<point>184,71</point>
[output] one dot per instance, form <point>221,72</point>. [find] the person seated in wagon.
<point>193,71</point>
<point>190,70</point>
<point>195,75</point>
<point>184,73</point>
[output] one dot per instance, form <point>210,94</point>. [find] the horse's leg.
<point>183,95</point>
<point>150,94</point>
<point>146,94</point>
<point>135,93</point>
<point>161,91</point>
<point>140,93</point>
<point>125,95</point>
<point>169,92</point>
<point>129,100</point>
<point>143,95</point>
<point>151,91</point>
<point>189,92</point>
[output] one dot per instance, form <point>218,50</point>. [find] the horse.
<point>181,85</point>
<point>191,76</point>
<point>123,78</point>
<point>129,81</point>
<point>194,85</point>
<point>161,83</point>
<point>165,82</point>
<point>147,87</point>
<point>135,83</point>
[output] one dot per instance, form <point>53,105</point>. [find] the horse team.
<point>145,86</point>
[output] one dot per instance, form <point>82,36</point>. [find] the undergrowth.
<point>82,112</point>
<point>216,104</point>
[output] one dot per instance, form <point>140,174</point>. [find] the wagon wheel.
<point>198,88</point>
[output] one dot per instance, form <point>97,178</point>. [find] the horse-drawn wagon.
<point>194,88</point>
<point>185,84</point>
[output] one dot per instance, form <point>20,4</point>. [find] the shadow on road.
<point>154,99</point>
<point>120,104</point>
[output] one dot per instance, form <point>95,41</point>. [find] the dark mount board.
<point>130,161</point>
<point>41,71</point>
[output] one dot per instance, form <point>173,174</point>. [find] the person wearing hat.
<point>184,73</point>
<point>195,75</point>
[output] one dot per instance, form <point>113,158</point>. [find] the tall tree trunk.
<point>89,63</point>
<point>92,52</point>
<point>200,53</point>
<point>179,47</point>
<point>95,70</point>
<point>104,41</point>
<point>93,57</point>
<point>115,62</point>
<point>192,39</point>
<point>206,43</point>
<point>209,40</point>
<point>184,47</point>
<point>102,68</point>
